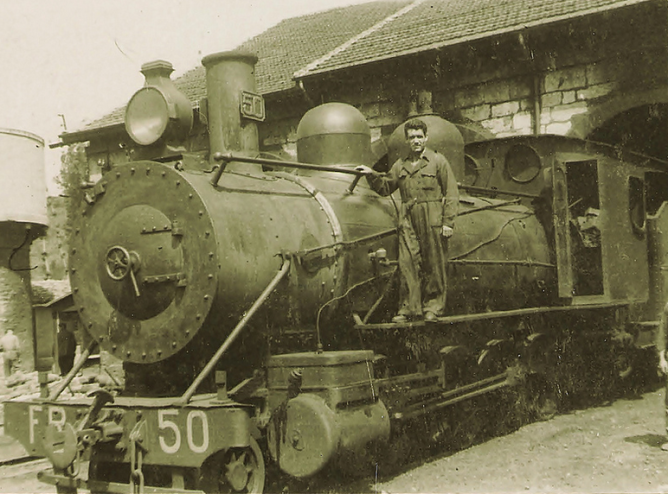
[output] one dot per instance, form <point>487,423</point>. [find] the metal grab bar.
<point>235,332</point>
<point>229,157</point>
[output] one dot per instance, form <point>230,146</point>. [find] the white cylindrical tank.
<point>22,178</point>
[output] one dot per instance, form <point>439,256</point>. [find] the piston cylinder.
<point>308,435</point>
<point>336,417</point>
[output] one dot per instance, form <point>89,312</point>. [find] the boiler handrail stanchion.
<point>235,332</point>
<point>224,159</point>
<point>353,184</point>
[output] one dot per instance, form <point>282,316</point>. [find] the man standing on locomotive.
<point>430,200</point>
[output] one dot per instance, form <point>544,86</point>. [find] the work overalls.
<point>429,200</point>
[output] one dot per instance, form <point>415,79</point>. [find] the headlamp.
<point>147,116</point>
<point>158,110</point>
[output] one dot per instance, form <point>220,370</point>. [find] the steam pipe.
<point>424,409</point>
<point>235,333</point>
<point>485,316</point>
<point>502,262</point>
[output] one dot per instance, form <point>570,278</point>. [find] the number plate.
<point>186,436</point>
<point>183,436</point>
<point>252,106</point>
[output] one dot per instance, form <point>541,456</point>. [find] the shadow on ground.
<point>652,440</point>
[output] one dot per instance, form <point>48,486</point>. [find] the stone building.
<point>587,68</point>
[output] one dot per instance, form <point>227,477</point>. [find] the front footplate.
<point>127,439</point>
<point>172,434</point>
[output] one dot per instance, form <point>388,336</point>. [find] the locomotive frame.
<point>557,258</point>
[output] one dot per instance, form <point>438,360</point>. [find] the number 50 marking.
<point>165,423</point>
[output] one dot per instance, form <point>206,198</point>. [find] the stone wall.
<point>15,293</point>
<point>554,80</point>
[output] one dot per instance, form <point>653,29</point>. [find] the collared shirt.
<point>430,181</point>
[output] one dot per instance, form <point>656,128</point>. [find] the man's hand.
<point>663,363</point>
<point>446,231</point>
<point>365,170</point>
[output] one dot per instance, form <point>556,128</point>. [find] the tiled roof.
<point>286,48</point>
<point>430,24</point>
<point>295,43</point>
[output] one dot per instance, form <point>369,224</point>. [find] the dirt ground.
<point>612,448</point>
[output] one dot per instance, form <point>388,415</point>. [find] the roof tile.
<point>436,23</point>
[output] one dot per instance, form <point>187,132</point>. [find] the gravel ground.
<point>613,448</point>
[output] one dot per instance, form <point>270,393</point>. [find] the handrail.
<point>235,333</point>
<point>488,190</point>
<point>483,316</point>
<point>229,157</point>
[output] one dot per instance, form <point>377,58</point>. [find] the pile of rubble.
<point>26,386</point>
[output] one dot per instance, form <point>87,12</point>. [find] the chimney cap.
<point>234,55</point>
<point>157,67</point>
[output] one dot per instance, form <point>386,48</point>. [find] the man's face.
<point>416,139</point>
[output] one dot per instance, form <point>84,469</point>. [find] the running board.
<point>484,316</point>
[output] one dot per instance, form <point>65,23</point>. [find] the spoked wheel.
<point>234,470</point>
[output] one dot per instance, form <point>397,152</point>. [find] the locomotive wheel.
<point>234,470</point>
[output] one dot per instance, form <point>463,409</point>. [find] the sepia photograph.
<point>334,246</point>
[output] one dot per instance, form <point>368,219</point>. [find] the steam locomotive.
<point>249,297</point>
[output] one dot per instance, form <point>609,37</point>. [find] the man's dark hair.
<point>415,124</point>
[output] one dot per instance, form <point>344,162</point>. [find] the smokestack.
<point>230,82</point>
